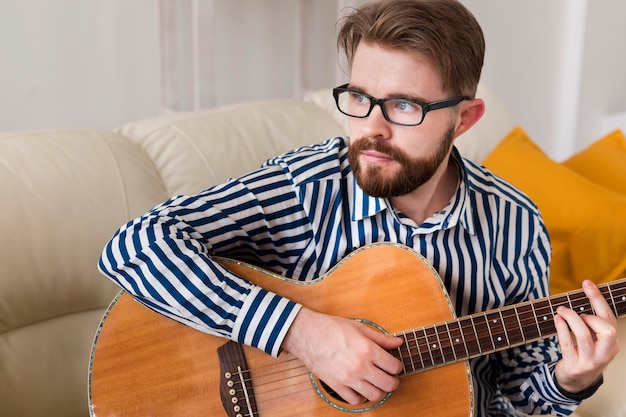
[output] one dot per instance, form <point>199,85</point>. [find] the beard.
<point>413,172</point>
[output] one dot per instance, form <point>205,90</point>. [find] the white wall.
<point>559,66</point>
<point>67,63</point>
<point>99,63</point>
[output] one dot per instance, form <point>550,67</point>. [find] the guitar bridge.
<point>235,383</point>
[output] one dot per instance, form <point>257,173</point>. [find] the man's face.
<point>389,160</point>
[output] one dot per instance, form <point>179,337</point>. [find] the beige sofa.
<point>64,192</point>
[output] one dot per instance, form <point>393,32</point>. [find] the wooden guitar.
<point>144,364</point>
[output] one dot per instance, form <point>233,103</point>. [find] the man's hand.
<point>591,347</point>
<point>347,355</point>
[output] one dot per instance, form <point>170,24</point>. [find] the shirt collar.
<point>458,210</point>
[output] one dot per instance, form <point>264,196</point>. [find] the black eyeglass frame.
<point>426,107</point>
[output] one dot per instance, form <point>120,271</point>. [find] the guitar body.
<point>144,364</point>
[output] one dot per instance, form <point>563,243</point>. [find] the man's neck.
<point>431,197</point>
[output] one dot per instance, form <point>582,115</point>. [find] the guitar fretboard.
<point>494,330</point>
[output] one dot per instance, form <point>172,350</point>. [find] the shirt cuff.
<point>581,395</point>
<point>542,390</point>
<point>264,320</point>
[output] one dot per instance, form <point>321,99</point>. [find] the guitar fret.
<point>440,345</point>
<point>558,301</point>
<point>484,335</point>
<point>443,338</point>
<point>478,341</point>
<point>610,298</point>
<point>497,332</point>
<point>580,303</point>
<point>520,327</point>
<point>450,343</point>
<point>428,361</point>
<point>407,346</point>
<point>504,328</point>
<point>419,350</point>
<point>528,322</point>
<point>433,346</point>
<point>544,316</point>
<point>512,325</point>
<point>536,319</point>
<point>618,292</point>
<point>413,345</point>
<point>457,337</point>
<point>471,338</point>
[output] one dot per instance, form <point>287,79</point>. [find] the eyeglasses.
<point>399,111</point>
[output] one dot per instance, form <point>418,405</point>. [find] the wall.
<point>558,65</point>
<point>77,62</point>
<point>100,63</point>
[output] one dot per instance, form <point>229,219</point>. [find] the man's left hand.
<point>588,343</point>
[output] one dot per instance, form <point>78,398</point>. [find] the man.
<point>414,68</point>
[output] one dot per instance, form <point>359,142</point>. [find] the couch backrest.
<point>198,149</point>
<point>63,194</point>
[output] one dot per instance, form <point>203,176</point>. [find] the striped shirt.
<point>298,215</point>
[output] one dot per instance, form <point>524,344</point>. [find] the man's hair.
<point>443,32</point>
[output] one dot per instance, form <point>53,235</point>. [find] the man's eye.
<point>360,98</point>
<point>405,106</point>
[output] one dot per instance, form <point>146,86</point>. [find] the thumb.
<point>384,340</point>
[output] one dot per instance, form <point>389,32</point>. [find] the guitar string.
<point>542,308</point>
<point>303,378</point>
<point>282,394</point>
<point>529,322</point>
<point>277,388</point>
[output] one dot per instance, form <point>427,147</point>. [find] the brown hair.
<point>443,32</point>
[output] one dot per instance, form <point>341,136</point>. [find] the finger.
<point>349,395</point>
<point>382,358</point>
<point>376,385</point>
<point>371,392</point>
<point>566,341</point>
<point>598,302</point>
<point>592,335</point>
<point>384,340</point>
<point>583,340</point>
<point>605,336</point>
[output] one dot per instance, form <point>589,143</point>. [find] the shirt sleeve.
<point>526,379</point>
<point>526,372</point>
<point>164,258</point>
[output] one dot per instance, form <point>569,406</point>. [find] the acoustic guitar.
<point>144,364</point>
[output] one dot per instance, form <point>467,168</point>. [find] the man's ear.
<point>470,112</point>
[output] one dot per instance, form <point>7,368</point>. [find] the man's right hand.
<point>350,356</point>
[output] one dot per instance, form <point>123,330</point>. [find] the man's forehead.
<point>381,71</point>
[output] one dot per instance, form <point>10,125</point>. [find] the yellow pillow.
<point>603,162</point>
<point>586,222</point>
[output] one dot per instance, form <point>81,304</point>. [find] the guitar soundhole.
<point>331,392</point>
<point>335,400</point>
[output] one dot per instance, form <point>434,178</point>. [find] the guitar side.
<point>146,364</point>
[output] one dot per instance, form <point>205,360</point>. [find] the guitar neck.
<point>494,330</point>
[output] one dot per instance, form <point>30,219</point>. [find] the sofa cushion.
<point>603,162</point>
<point>585,221</point>
<point>189,158</point>
<point>64,193</point>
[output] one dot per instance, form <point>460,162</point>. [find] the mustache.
<point>371,144</point>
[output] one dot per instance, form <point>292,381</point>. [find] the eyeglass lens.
<point>396,110</point>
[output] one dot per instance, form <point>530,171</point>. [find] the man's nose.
<point>376,125</point>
